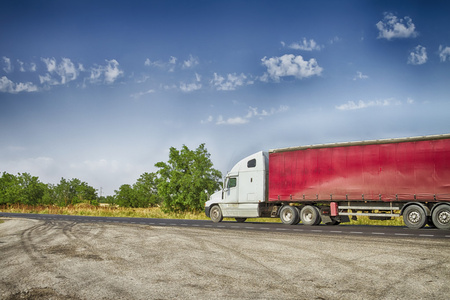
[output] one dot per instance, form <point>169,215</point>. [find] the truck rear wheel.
<point>216,214</point>
<point>414,217</point>
<point>441,216</point>
<point>289,215</point>
<point>310,215</point>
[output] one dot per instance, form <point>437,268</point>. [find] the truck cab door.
<point>230,206</point>
<point>231,190</point>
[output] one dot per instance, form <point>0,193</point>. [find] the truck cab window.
<point>232,182</point>
<point>251,163</point>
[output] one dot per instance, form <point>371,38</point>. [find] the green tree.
<point>32,190</point>
<point>9,189</point>
<point>126,196</point>
<point>146,190</point>
<point>72,192</point>
<point>21,189</point>
<point>186,179</point>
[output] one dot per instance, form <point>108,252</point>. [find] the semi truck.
<point>331,183</point>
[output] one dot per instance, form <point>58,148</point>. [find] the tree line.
<point>183,183</point>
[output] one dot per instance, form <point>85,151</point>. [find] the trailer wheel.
<point>289,215</point>
<point>216,214</point>
<point>441,216</point>
<point>240,220</point>
<point>310,215</point>
<point>414,217</point>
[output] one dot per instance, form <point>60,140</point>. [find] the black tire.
<point>216,214</point>
<point>240,220</point>
<point>289,215</point>
<point>441,216</point>
<point>414,217</point>
<point>319,218</point>
<point>310,215</point>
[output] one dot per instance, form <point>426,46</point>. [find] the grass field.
<point>84,209</point>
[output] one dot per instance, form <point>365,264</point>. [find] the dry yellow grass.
<point>85,209</point>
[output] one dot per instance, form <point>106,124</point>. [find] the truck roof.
<point>368,142</point>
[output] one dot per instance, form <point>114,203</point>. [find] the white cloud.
<point>360,75</point>
<point>24,67</point>
<point>351,105</point>
<point>173,60</point>
<point>21,65</point>
<point>191,62</point>
<point>33,67</point>
<point>169,65</point>
<point>418,56</point>
<point>290,65</point>
<point>172,63</point>
<point>444,53</point>
<point>231,121</point>
<point>148,62</point>
<point>8,86</point>
<point>336,39</point>
<point>305,45</point>
<point>140,94</point>
<point>110,72</point>
<point>8,66</point>
<point>253,112</point>
<point>231,82</point>
<point>50,63</point>
<point>392,27</point>
<point>66,71</point>
<point>190,87</point>
<point>208,120</point>
<point>47,80</point>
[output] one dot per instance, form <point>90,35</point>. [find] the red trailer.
<point>329,183</point>
<point>373,178</point>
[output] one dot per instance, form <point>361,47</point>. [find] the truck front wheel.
<point>289,215</point>
<point>310,215</point>
<point>414,217</point>
<point>441,216</point>
<point>216,214</point>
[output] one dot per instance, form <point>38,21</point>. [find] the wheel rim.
<point>215,213</point>
<point>308,216</point>
<point>444,217</point>
<point>287,215</point>
<point>414,217</point>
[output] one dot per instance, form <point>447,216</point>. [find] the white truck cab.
<point>245,187</point>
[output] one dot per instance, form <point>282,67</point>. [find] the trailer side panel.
<point>401,171</point>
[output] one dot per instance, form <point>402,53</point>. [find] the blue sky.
<point>100,90</point>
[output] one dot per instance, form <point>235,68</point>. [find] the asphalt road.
<point>339,230</point>
<point>76,257</point>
